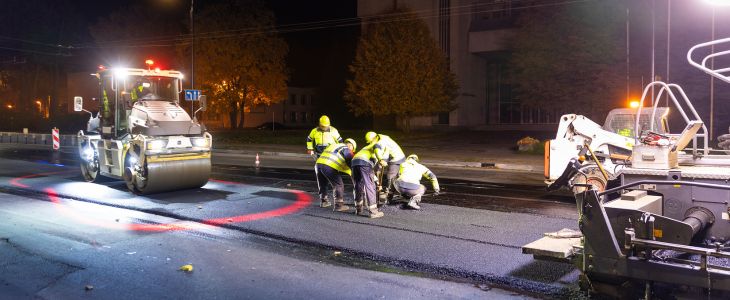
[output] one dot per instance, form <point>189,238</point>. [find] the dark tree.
<point>399,70</point>
<point>239,58</point>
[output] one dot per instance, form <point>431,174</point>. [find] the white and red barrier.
<point>56,138</point>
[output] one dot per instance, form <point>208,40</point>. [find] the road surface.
<point>258,233</point>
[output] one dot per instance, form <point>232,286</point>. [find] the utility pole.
<point>712,79</point>
<point>628,57</point>
<point>192,54</point>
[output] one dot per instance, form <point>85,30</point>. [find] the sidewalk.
<point>457,151</point>
<point>445,149</point>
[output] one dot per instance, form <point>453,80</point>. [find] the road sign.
<point>192,95</point>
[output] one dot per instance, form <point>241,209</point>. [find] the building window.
<point>304,118</point>
<point>293,117</point>
<point>293,99</point>
<point>503,107</point>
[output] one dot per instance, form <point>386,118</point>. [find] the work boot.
<point>325,202</point>
<point>382,199</point>
<point>374,213</point>
<point>340,205</point>
<point>359,207</point>
<point>413,203</point>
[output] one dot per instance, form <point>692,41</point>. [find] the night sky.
<point>29,29</point>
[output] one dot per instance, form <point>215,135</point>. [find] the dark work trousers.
<point>327,175</point>
<point>390,175</point>
<point>364,185</point>
<point>328,190</point>
<point>409,190</point>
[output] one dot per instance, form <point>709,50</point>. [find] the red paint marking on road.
<point>303,200</point>
<point>16,181</point>
<point>225,181</point>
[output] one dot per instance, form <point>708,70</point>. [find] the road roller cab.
<point>142,135</point>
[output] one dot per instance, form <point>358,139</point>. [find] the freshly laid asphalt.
<point>480,245</point>
<point>43,255</point>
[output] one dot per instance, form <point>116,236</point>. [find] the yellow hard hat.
<point>324,121</point>
<point>413,157</point>
<point>370,136</point>
<point>351,141</point>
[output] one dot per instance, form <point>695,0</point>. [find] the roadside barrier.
<point>56,138</point>
<point>64,140</point>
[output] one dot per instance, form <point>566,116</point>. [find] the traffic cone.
<point>257,160</point>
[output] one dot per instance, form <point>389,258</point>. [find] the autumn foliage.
<point>399,71</point>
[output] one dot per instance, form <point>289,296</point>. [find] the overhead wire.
<point>284,26</point>
<point>296,27</point>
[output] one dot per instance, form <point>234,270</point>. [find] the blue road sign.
<point>192,95</point>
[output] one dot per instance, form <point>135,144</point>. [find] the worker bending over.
<point>387,153</point>
<point>363,175</point>
<point>334,161</point>
<point>409,184</point>
<point>322,136</point>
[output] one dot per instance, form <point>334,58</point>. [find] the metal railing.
<point>36,138</point>
<point>670,89</point>
<point>703,65</point>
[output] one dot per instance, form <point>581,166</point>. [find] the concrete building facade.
<point>297,111</point>
<point>474,35</point>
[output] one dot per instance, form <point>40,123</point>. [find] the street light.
<point>712,62</point>
<point>719,2</point>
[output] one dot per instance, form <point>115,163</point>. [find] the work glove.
<point>436,192</point>
<point>383,163</point>
<point>310,152</point>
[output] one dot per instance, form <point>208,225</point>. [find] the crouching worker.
<point>363,175</point>
<point>409,184</point>
<point>334,161</point>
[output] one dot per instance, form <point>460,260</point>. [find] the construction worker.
<point>388,154</point>
<point>322,136</point>
<point>409,184</point>
<point>363,175</point>
<point>334,161</point>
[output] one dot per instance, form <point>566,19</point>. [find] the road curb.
<point>436,163</point>
<point>68,141</point>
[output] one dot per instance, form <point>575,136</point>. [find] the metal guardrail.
<point>36,139</point>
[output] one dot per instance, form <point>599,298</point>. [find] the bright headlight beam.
<point>120,72</point>
<point>200,142</point>
<point>88,153</point>
<point>719,2</point>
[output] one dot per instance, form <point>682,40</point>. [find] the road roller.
<point>660,228</point>
<point>142,135</point>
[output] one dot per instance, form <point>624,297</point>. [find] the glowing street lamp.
<point>634,104</point>
<point>719,2</point>
<point>712,63</point>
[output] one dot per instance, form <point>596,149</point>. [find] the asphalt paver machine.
<point>664,229</point>
<point>142,135</point>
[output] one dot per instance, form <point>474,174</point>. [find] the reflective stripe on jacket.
<point>412,172</point>
<point>387,149</point>
<point>365,157</point>
<point>318,139</point>
<point>337,156</point>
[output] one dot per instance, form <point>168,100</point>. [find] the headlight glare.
<point>200,142</point>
